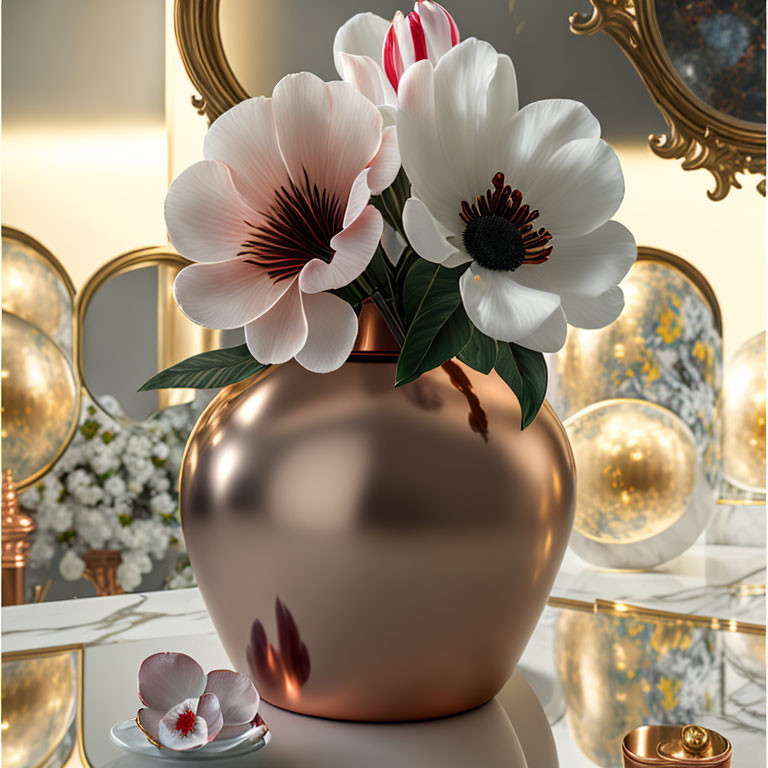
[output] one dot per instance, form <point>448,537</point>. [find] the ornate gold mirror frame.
<point>701,135</point>
<point>198,36</point>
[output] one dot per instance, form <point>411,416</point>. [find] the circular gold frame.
<point>646,253</point>
<point>29,241</point>
<point>38,247</point>
<point>156,256</point>
<point>198,36</point>
<point>699,134</point>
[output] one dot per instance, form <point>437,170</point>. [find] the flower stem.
<point>384,306</point>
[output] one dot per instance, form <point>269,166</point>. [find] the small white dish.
<point>129,737</point>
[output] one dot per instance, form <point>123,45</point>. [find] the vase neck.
<point>373,335</point>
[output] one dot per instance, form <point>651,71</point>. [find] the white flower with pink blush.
<point>278,215</point>
<point>186,709</point>
<point>372,53</point>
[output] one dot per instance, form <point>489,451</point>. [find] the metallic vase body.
<point>363,553</point>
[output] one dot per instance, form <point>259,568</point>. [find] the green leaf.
<point>430,297</point>
<point>525,373</point>
<point>480,352</point>
<point>449,340</point>
<point>217,368</point>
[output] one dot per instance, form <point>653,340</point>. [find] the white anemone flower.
<point>277,215</point>
<point>185,708</point>
<point>524,197</point>
<point>372,53</point>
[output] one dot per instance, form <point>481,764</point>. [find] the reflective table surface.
<point>586,678</point>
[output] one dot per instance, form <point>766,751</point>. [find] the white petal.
<point>165,679</point>
<point>236,693</point>
<point>502,308</point>
<point>593,312</point>
<point>537,131</point>
<point>354,137</point>
<point>462,81</point>
<point>362,35</point>
<point>302,110</point>
<point>354,248</point>
<point>332,332</point>
<point>205,216</point>
<point>588,265</point>
<point>149,722</point>
<point>230,731</point>
<point>427,236</point>
<point>278,335</point>
<point>420,148</point>
<point>501,105</point>
<point>359,196</point>
<point>549,336</point>
<point>209,708</point>
<point>244,138</point>
<point>386,164</point>
<point>579,188</point>
<point>364,74</point>
<point>226,294</point>
<point>172,738</point>
<point>393,244</point>
<point>437,29</point>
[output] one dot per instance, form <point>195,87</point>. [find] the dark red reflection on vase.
<point>286,667</point>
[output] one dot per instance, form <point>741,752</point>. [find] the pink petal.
<point>205,216</point>
<point>244,138</point>
<point>236,693</point>
<point>209,708</point>
<point>354,137</point>
<point>279,334</point>
<point>354,248</point>
<point>226,294</point>
<point>332,331</point>
<point>302,110</point>
<point>386,164</point>
<point>148,721</point>
<point>359,196</point>
<point>438,30</point>
<point>167,678</point>
<point>364,74</point>
<point>181,728</point>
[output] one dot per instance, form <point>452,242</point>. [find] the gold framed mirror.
<point>702,67</point>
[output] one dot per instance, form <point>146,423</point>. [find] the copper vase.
<point>364,553</point>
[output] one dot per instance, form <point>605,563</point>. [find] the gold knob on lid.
<point>695,739</point>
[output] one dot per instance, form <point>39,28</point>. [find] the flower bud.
<point>428,32</point>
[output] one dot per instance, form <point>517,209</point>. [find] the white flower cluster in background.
<point>114,488</point>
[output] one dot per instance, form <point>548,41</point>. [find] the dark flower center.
<point>297,228</point>
<point>499,233</point>
<point>186,722</point>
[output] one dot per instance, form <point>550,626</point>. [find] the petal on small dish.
<point>502,308</point>
<point>549,336</point>
<point>428,236</point>
<point>226,294</point>
<point>236,694</point>
<point>168,678</point>
<point>209,708</point>
<point>244,139</point>
<point>181,728</point>
<point>279,334</point>
<point>354,248</point>
<point>148,721</point>
<point>593,312</point>
<point>386,164</point>
<point>332,331</point>
<point>207,219</point>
